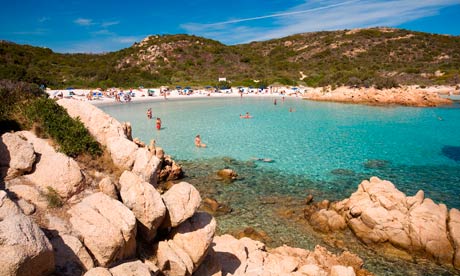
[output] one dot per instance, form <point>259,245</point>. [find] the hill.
<point>383,57</point>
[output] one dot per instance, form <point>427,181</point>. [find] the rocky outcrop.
<point>106,227</point>
<point>181,200</point>
<point>146,165</point>
<point>17,156</point>
<point>144,201</point>
<point>108,187</point>
<point>378,214</point>
<point>454,230</point>
<point>101,125</point>
<point>195,236</point>
<point>133,268</point>
<point>54,169</point>
<point>406,96</point>
<point>24,248</point>
<point>248,257</point>
<point>71,256</point>
<point>116,137</point>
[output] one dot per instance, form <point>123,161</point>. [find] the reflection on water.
<point>269,200</point>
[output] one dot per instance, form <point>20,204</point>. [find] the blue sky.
<point>102,26</point>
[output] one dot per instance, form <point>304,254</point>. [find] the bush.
<point>70,134</point>
<point>53,198</point>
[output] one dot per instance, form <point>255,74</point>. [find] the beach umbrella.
<point>187,87</point>
<point>69,88</point>
<point>207,87</point>
<point>178,87</point>
<point>294,88</point>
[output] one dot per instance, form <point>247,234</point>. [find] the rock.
<point>181,201</point>
<point>26,207</point>
<point>146,165</point>
<point>28,193</point>
<point>106,226</point>
<point>98,271</point>
<point>195,236</point>
<point>108,187</point>
<point>339,270</point>
<point>133,268</point>
<point>54,169</point>
<point>138,142</point>
<point>378,213</point>
<point>56,224</point>
<point>253,234</point>
<point>210,266</point>
<point>122,151</point>
<point>428,226</point>
<point>17,156</point>
<point>71,256</point>
<point>214,208</point>
<point>248,257</point>
<point>227,174</point>
<point>172,260</point>
<point>327,221</point>
<point>127,129</point>
<point>24,248</point>
<point>309,199</point>
<point>239,256</point>
<point>454,230</point>
<point>101,125</point>
<point>144,201</point>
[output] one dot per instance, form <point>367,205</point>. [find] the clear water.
<point>328,143</point>
<point>323,149</point>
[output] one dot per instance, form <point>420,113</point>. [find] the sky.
<point>85,26</point>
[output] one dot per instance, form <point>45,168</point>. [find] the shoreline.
<point>404,96</point>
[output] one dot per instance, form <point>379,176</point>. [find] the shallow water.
<point>325,149</point>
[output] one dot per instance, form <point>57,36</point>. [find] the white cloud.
<point>109,23</point>
<point>43,19</point>
<point>83,21</point>
<point>320,15</point>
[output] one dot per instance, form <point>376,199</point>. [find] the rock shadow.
<point>451,152</point>
<point>5,159</point>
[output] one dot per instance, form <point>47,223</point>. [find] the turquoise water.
<point>330,147</point>
<point>323,149</point>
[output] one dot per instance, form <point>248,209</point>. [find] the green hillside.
<point>379,56</point>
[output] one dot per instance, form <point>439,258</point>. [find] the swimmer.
<point>274,102</point>
<point>198,143</point>
<point>149,113</point>
<point>247,116</point>
<point>291,109</point>
<point>158,123</point>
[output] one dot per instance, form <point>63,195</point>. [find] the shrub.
<point>52,197</point>
<point>70,134</point>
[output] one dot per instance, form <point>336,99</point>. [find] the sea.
<point>291,148</point>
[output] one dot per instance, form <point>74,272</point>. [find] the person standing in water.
<point>149,113</point>
<point>274,102</point>
<point>158,123</point>
<point>198,143</point>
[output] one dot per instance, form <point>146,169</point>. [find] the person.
<point>149,113</point>
<point>274,102</point>
<point>247,116</point>
<point>198,143</point>
<point>158,123</point>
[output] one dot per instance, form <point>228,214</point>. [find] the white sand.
<point>142,94</point>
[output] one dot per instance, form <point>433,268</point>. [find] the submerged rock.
<point>227,174</point>
<point>376,164</point>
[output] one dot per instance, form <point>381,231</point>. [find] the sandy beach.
<point>406,95</point>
